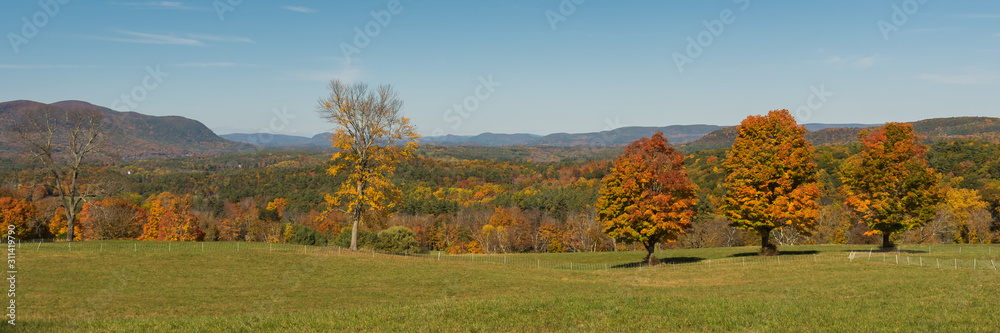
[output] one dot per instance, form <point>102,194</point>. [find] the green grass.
<point>150,287</point>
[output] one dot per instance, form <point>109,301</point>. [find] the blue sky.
<point>511,66</point>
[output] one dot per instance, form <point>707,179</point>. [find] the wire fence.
<point>972,257</point>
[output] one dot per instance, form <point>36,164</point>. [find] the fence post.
<point>169,246</point>
<point>921,261</point>
<point>956,263</point>
<point>134,248</point>
<point>439,256</point>
<point>897,259</point>
<point>973,263</point>
<point>70,246</point>
<point>938,262</point>
<point>270,247</point>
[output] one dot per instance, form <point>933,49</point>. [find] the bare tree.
<point>61,140</point>
<point>371,136</point>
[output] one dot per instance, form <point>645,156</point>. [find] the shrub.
<point>397,239</point>
<point>303,235</point>
<point>365,239</point>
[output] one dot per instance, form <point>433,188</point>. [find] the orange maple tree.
<point>647,197</point>
<point>888,184</point>
<point>112,218</point>
<point>171,219</point>
<point>15,215</point>
<point>771,178</point>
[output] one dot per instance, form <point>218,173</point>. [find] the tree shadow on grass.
<point>890,250</point>
<point>663,261</point>
<point>783,253</point>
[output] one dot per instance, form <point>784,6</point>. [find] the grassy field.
<point>126,286</point>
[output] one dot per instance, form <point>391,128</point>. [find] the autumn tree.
<point>16,216</point>
<point>61,141</point>
<point>771,178</point>
<point>888,184</point>
<point>371,136</point>
<point>171,219</point>
<point>970,215</point>
<point>112,218</point>
<point>647,197</point>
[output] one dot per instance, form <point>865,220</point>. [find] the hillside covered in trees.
<point>130,134</point>
<point>473,199</point>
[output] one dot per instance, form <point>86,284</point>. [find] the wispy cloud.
<point>144,38</point>
<point>125,36</point>
<point>854,61</point>
<point>211,64</point>
<point>299,9</point>
<point>971,76</point>
<point>225,39</point>
<point>3,66</point>
<point>176,5</point>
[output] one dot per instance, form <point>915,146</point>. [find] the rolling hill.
<point>936,129</point>
<point>132,135</point>
<point>677,134</point>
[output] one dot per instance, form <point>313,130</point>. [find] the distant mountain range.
<point>132,135</point>
<point>618,137</point>
<point>140,136</point>
<point>936,129</point>
<point>676,134</point>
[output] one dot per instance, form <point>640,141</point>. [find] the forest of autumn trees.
<point>509,199</point>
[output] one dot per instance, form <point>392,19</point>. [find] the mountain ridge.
<point>132,135</point>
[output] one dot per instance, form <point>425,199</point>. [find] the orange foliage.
<point>647,197</point>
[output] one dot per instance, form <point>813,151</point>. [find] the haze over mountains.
<point>676,134</point>
<point>136,135</point>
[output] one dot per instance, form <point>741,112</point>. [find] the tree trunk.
<point>650,248</point>
<point>357,219</point>
<point>766,248</point>
<point>886,243</point>
<point>69,225</point>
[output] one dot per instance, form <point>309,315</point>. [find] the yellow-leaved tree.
<point>371,136</point>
